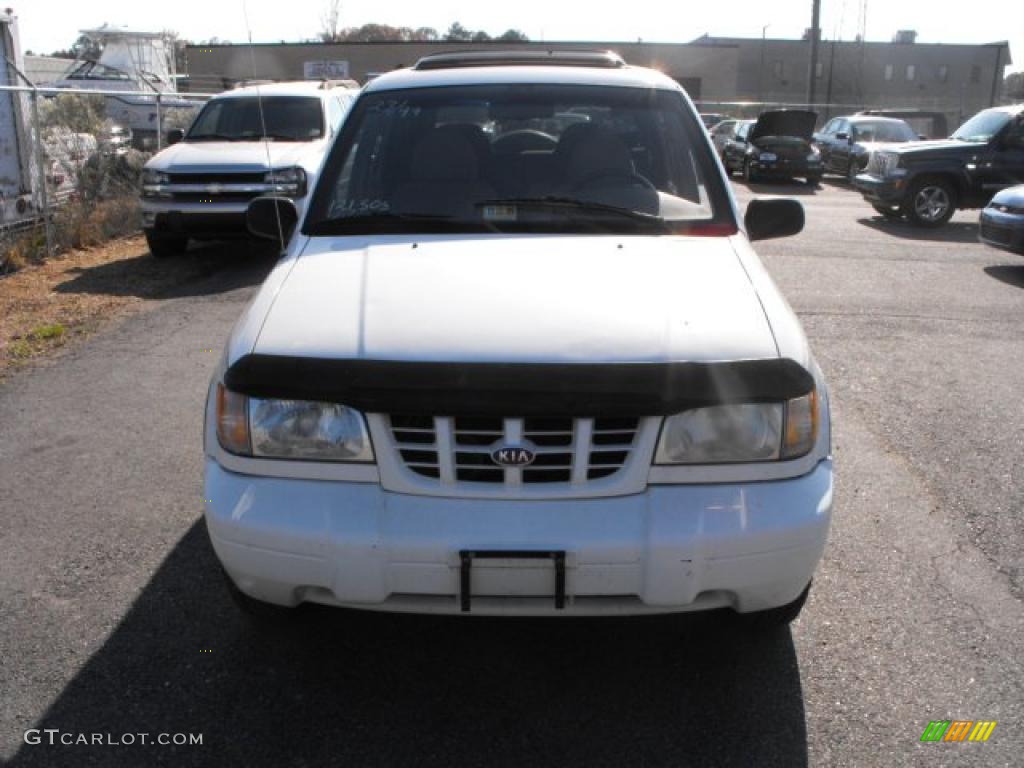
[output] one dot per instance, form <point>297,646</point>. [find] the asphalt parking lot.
<point>114,620</point>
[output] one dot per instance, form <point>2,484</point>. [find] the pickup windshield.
<point>284,118</point>
<point>982,127</point>
<point>521,158</point>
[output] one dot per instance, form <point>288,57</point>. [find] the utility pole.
<point>815,35</point>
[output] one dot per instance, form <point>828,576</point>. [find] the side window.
<point>830,127</point>
<point>1015,134</point>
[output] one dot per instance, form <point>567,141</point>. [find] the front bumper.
<point>876,190</point>
<point>788,168</point>
<point>672,548</point>
<point>213,219</point>
<point>1002,230</point>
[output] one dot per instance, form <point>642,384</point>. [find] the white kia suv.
<point>519,357</point>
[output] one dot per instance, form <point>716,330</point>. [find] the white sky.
<point>47,25</point>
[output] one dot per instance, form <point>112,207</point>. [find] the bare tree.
<point>330,32</point>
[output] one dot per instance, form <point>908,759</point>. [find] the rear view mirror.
<point>174,135</point>
<point>272,218</point>
<point>766,219</point>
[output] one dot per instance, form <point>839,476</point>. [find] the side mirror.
<point>843,136</point>
<point>740,139</point>
<point>272,218</point>
<point>766,219</point>
<point>174,136</point>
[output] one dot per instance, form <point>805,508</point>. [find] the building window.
<point>943,73</point>
<point>779,69</point>
<point>819,69</point>
<point>911,71</point>
<point>888,71</point>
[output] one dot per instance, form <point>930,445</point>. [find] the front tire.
<point>748,172</point>
<point>256,611</point>
<point>166,247</point>
<point>774,618</point>
<point>813,181</point>
<point>931,202</point>
<point>889,213</point>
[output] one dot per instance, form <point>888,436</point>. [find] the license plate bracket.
<point>467,556</point>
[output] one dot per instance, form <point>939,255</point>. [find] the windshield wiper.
<point>554,201</point>
<point>212,137</point>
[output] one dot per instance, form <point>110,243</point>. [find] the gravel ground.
<point>113,619</point>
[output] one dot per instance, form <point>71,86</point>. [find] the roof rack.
<point>563,58</point>
<point>327,84</point>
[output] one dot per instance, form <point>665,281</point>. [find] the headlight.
<point>768,157</point>
<point>743,432</point>
<point>290,429</point>
<point>290,182</point>
<point>153,182</point>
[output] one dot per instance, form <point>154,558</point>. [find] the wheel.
<point>257,611</point>
<point>813,181</point>
<point>889,213</point>
<point>748,172</point>
<point>931,202</point>
<point>773,618</point>
<point>725,165</point>
<point>165,247</point>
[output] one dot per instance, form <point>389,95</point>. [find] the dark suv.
<point>928,181</point>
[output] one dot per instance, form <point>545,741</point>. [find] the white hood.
<point>236,156</point>
<point>518,299</point>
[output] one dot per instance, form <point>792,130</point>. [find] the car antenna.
<point>263,120</point>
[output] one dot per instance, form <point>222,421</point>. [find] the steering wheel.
<point>523,140</point>
<point>611,178</point>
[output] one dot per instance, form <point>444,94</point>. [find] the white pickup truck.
<point>252,141</point>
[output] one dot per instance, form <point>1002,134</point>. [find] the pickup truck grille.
<point>567,451</point>
<point>880,163</point>
<point>217,187</point>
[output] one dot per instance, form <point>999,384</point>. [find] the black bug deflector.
<point>524,389</point>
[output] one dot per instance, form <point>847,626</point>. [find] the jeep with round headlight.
<point>520,358</point>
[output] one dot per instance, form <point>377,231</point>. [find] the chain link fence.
<point>74,167</point>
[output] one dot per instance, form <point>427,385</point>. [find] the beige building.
<point>706,71</point>
<point>957,80</point>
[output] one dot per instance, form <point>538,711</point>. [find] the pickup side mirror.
<point>842,136</point>
<point>174,135</point>
<point>272,218</point>
<point>739,139</point>
<point>766,219</point>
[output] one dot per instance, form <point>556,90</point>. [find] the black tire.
<point>930,202</point>
<point>166,247</point>
<point>889,213</point>
<point>813,181</point>
<point>748,172</point>
<point>773,618</point>
<point>256,611</point>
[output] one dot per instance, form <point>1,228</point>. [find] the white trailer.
<point>20,187</point>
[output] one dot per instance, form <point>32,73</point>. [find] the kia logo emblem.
<point>513,457</point>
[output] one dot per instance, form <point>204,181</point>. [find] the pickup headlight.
<point>153,182</point>
<point>290,182</point>
<point>290,429</point>
<point>741,432</point>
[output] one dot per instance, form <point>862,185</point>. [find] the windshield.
<point>982,127</point>
<point>287,118</point>
<point>519,158</point>
<point>883,131</point>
